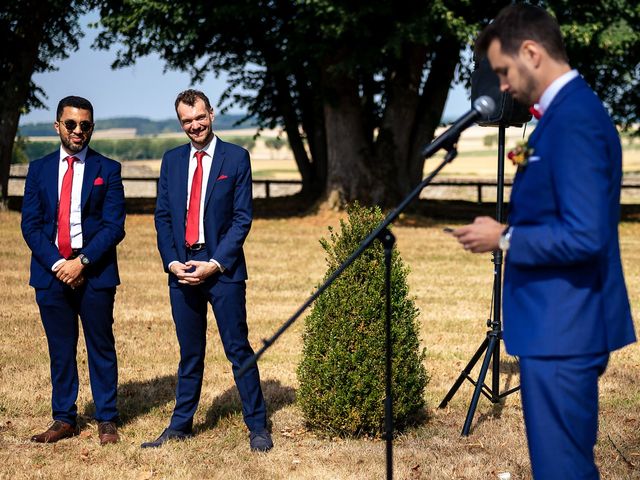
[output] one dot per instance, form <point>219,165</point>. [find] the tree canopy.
<point>35,34</point>
<point>359,86</point>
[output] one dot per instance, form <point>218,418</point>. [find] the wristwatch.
<point>505,239</point>
<point>84,259</point>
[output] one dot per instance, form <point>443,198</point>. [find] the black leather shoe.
<point>260,441</point>
<point>165,436</point>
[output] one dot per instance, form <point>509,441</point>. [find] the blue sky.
<point>142,90</point>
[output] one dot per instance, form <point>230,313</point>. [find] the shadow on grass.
<point>276,396</point>
<point>140,397</point>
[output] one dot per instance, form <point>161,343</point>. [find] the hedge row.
<point>124,149</point>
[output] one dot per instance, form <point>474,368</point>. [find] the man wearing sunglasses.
<point>72,219</point>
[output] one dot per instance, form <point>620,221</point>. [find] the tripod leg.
<point>479,385</point>
<point>464,374</point>
<point>495,375</point>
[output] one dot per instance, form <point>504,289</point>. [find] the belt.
<point>196,246</point>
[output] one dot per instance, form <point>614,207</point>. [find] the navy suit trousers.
<point>60,306</point>
<point>560,404</point>
<point>189,309</point>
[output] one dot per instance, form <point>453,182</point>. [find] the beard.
<point>72,146</point>
<point>527,94</point>
<point>203,138</point>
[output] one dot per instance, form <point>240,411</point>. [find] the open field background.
<point>477,160</point>
<point>453,292</point>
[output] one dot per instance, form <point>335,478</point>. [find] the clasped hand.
<point>193,272</point>
<point>70,273</point>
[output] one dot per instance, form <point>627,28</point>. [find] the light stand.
<point>491,343</point>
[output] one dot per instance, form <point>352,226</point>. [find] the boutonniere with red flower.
<point>519,156</point>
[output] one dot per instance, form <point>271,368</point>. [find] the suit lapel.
<point>216,166</point>
<point>547,119</point>
<point>50,172</point>
<point>182,178</point>
<point>91,169</point>
<point>556,104</point>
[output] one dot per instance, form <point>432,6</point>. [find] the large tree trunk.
<point>15,86</point>
<point>385,169</point>
<point>303,116</point>
<point>445,58</point>
<point>291,126</point>
<point>349,175</point>
<point>313,126</point>
<point>9,116</point>
<point>392,147</point>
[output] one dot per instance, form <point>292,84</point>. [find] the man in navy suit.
<point>203,215</point>
<point>72,219</point>
<point>565,301</point>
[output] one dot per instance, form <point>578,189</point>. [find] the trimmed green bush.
<point>342,371</point>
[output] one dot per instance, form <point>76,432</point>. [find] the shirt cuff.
<point>57,264</point>
<point>220,267</point>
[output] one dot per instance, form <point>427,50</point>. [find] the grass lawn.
<point>453,293</point>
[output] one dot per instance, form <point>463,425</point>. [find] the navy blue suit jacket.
<point>228,210</point>
<point>103,215</point>
<point>564,290</point>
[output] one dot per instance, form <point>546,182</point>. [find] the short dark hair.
<point>75,102</point>
<point>519,22</point>
<point>190,96</point>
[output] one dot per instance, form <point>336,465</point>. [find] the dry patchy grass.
<point>453,291</point>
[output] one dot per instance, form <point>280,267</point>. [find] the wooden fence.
<point>265,188</point>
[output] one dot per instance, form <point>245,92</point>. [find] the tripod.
<point>491,343</point>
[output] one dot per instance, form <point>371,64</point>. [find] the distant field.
<point>477,158</point>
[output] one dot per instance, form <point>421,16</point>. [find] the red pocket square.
<point>98,181</point>
<point>222,177</point>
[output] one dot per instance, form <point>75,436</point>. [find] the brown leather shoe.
<point>108,433</point>
<point>57,431</point>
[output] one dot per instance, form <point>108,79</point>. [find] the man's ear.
<point>532,52</point>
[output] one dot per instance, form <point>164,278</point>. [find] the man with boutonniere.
<point>565,302</point>
<point>73,215</point>
<point>203,216</point>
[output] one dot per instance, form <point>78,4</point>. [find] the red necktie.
<point>535,112</point>
<point>64,211</point>
<point>193,213</point>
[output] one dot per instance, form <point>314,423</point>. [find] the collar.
<point>81,155</point>
<point>209,149</point>
<point>553,89</point>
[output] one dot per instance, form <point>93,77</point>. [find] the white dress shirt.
<point>75,218</point>
<point>552,90</point>
<point>207,161</point>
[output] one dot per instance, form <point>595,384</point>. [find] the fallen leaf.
<point>146,475</point>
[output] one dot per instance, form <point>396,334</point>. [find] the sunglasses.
<point>71,125</point>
